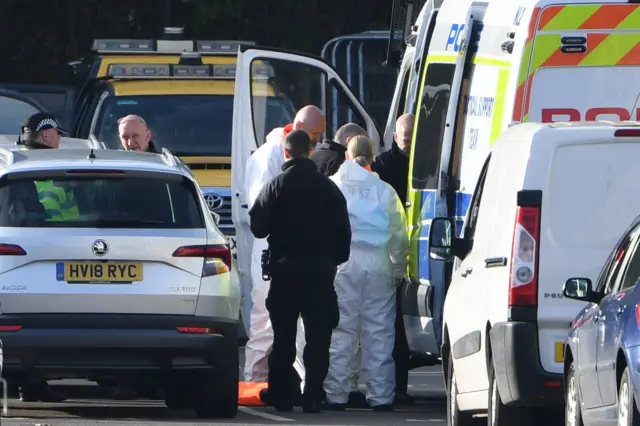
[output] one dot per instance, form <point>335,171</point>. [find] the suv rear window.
<point>121,200</point>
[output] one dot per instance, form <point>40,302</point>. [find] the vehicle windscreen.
<point>12,114</point>
<point>187,125</point>
<point>120,200</point>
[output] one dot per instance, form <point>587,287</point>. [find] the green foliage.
<point>37,46</point>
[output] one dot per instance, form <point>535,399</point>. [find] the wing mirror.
<point>216,218</point>
<point>580,289</point>
<point>442,239</point>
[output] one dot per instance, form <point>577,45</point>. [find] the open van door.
<point>15,107</point>
<point>57,100</point>
<point>429,190</point>
<point>298,79</point>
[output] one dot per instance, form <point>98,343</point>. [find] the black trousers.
<point>401,352</point>
<point>300,291</point>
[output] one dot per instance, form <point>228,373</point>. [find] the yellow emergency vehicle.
<point>184,91</point>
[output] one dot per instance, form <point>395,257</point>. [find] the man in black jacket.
<point>329,155</point>
<point>393,167</point>
<point>304,217</point>
<point>134,134</point>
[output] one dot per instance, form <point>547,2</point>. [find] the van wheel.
<point>454,415</point>
<point>216,395</point>
<point>572,410</point>
<point>627,409</point>
<point>500,414</point>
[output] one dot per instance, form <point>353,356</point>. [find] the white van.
<point>551,201</point>
<point>488,65</point>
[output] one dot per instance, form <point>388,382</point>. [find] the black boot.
<point>40,392</point>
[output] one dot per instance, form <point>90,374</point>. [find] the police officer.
<point>43,131</point>
<point>304,217</point>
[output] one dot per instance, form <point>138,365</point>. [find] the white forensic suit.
<point>366,287</point>
<point>263,165</point>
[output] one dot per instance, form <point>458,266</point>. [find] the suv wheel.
<point>216,394</point>
<point>177,397</point>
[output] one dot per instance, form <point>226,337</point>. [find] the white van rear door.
<point>588,202</point>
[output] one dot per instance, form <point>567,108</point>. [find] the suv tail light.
<point>523,286</point>
<point>11,250</point>
<point>217,258</point>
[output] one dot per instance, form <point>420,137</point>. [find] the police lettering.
<point>550,115</point>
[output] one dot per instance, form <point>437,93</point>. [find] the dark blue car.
<point>602,354</point>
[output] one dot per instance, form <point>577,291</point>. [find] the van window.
<point>431,116</point>
<point>474,207</point>
<point>402,108</point>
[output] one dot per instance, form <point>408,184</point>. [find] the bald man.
<point>329,155</point>
<point>134,134</point>
<point>393,167</point>
<point>263,166</point>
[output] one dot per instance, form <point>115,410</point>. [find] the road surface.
<point>425,383</point>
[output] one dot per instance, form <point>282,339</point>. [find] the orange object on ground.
<point>249,394</point>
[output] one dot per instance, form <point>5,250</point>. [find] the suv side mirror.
<point>580,289</point>
<point>216,218</point>
<point>441,239</point>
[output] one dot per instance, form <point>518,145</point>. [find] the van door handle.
<point>244,206</point>
<point>495,262</point>
<point>466,272</point>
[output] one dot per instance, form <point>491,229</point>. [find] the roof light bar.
<point>222,72</point>
<point>211,46</point>
<point>205,47</point>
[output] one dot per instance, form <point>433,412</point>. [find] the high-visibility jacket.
<point>59,203</point>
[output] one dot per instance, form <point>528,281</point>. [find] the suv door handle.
<point>466,272</point>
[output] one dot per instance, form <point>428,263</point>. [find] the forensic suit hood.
<point>365,285</point>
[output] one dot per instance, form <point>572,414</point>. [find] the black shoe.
<point>403,399</point>
<point>40,392</point>
<point>383,407</point>
<point>330,406</point>
<point>357,400</point>
<point>312,406</point>
<point>264,397</point>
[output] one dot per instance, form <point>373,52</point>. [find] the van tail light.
<point>638,314</point>
<point>11,250</point>
<point>523,286</point>
<point>217,258</point>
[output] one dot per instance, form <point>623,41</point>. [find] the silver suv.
<point>113,269</point>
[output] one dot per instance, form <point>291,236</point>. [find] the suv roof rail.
<point>169,158</point>
<point>7,156</point>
